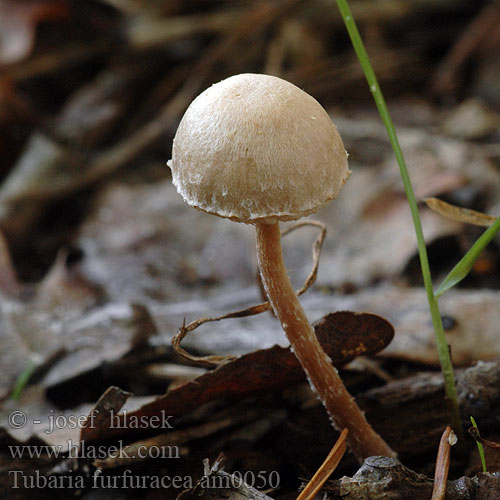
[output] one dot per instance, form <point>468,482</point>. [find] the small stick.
<point>448,439</point>
<point>326,468</point>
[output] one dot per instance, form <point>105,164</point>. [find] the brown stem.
<point>343,411</point>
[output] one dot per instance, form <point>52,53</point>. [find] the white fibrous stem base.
<point>322,375</point>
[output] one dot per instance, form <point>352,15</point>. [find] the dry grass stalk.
<point>326,468</point>
<point>448,439</point>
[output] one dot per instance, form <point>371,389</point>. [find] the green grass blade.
<point>479,446</point>
<point>23,379</point>
<point>442,346</point>
<point>462,269</point>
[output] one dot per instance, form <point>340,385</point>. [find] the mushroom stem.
<point>343,411</point>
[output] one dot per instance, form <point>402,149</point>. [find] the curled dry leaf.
<point>470,318</point>
<point>460,214</point>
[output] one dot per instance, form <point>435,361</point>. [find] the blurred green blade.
<point>479,446</point>
<point>23,379</point>
<point>462,269</point>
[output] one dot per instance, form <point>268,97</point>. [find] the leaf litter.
<point>109,316</point>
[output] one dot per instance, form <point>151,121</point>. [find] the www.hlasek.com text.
<point>80,449</point>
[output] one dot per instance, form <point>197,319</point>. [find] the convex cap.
<point>256,148</point>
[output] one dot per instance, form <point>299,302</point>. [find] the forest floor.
<point>101,261</point>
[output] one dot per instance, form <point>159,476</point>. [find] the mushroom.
<point>256,149</point>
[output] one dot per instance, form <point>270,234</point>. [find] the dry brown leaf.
<point>144,244</point>
<point>470,318</point>
<point>472,119</point>
<point>43,422</point>
<point>459,214</point>
<point>65,340</point>
<point>343,335</point>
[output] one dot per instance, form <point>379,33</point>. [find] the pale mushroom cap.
<point>256,148</point>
